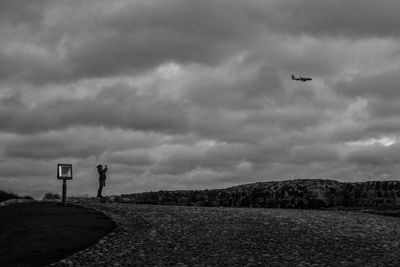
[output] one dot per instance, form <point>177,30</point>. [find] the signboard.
<point>64,171</point>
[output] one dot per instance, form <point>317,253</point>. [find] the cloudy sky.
<point>187,94</point>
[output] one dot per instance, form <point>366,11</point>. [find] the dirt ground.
<point>149,235</point>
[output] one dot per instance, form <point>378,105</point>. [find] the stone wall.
<point>374,194</point>
<point>304,193</point>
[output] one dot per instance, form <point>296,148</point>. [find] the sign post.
<point>64,172</point>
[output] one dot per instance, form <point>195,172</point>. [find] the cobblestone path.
<point>198,236</point>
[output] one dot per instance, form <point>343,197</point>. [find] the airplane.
<point>301,79</point>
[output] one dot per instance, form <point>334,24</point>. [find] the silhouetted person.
<point>102,178</point>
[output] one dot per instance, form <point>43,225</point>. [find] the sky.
<point>187,94</point>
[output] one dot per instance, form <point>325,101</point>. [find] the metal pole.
<point>64,192</point>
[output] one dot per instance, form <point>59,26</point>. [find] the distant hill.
<point>6,196</point>
<point>299,193</point>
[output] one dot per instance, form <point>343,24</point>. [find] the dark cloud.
<point>78,143</point>
<point>25,169</point>
<point>341,18</point>
<point>136,157</point>
<point>378,85</point>
<point>105,39</point>
<point>83,44</point>
<point>314,153</point>
<point>192,94</point>
<point>25,13</point>
<point>375,155</point>
<point>114,107</point>
<point>12,100</point>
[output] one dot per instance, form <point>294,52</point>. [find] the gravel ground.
<point>198,236</point>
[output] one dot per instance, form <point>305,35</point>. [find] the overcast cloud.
<point>186,94</point>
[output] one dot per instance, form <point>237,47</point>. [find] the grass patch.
<point>35,234</point>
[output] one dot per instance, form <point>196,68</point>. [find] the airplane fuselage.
<point>301,79</point>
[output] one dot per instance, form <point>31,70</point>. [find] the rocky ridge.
<point>299,193</point>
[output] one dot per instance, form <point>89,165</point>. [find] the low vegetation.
<point>6,196</point>
<point>51,196</point>
<point>38,233</point>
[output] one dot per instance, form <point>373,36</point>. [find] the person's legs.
<point>99,191</point>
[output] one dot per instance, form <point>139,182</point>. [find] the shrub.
<point>5,196</point>
<point>51,196</point>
